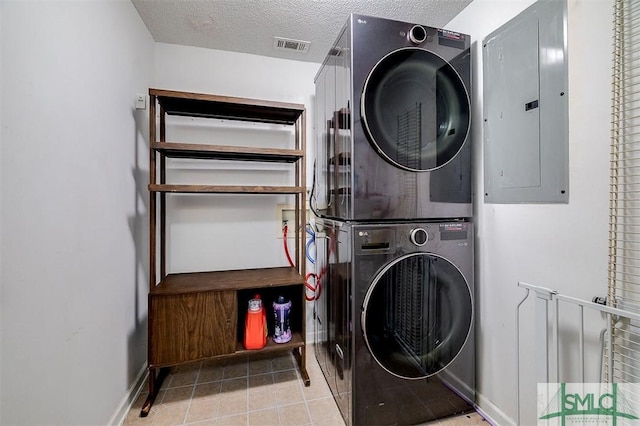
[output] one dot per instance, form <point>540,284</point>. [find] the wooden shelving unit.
<point>198,315</point>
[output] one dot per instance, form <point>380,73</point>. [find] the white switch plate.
<point>141,101</point>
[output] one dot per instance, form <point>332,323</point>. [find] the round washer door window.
<point>415,109</point>
<point>417,315</point>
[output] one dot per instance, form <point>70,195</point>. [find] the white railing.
<point>547,331</point>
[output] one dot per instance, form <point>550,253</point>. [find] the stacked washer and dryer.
<point>393,322</point>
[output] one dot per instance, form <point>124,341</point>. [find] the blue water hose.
<point>309,242</point>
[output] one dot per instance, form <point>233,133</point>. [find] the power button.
<point>419,237</point>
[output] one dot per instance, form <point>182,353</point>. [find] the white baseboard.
<point>458,386</point>
<point>491,412</point>
<point>127,401</point>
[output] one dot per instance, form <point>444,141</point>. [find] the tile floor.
<point>249,391</point>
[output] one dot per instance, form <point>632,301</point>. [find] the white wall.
<point>219,72</point>
<point>73,209</point>
<point>231,232</point>
<point>563,247</point>
<point>1,68</point>
<point>73,197</point>
<point>559,246</point>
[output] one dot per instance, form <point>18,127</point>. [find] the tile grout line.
<point>247,390</point>
<point>466,418</point>
<point>301,386</point>
<point>277,402</point>
<point>291,367</point>
<point>193,392</point>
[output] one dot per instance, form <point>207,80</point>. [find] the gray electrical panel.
<point>526,116</point>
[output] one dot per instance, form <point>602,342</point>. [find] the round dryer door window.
<point>417,315</point>
<point>415,109</point>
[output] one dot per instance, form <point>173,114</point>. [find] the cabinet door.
<point>191,326</point>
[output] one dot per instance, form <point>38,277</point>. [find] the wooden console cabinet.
<point>199,315</point>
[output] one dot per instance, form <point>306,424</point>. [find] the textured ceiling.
<point>249,26</point>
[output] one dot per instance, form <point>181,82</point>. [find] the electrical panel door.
<point>526,131</point>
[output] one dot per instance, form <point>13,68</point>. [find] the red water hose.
<point>315,289</point>
<point>286,246</point>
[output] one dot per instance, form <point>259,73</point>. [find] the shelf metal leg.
<point>299,354</point>
<point>155,382</point>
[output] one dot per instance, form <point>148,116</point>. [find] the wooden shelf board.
<point>295,342</point>
<point>224,152</point>
<point>226,189</point>
<point>193,282</point>
<point>214,106</point>
<point>208,301</point>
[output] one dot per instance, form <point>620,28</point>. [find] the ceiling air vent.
<point>289,44</point>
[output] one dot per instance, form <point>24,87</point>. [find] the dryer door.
<point>415,109</point>
<point>416,315</point>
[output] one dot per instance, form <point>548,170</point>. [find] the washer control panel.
<point>408,237</point>
<point>454,231</point>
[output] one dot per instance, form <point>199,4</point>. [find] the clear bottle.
<point>282,311</point>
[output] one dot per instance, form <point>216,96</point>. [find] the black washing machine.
<point>392,121</point>
<point>394,329</point>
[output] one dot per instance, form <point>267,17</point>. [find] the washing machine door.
<point>415,109</point>
<point>416,315</point>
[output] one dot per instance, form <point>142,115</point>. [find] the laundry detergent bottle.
<point>255,325</point>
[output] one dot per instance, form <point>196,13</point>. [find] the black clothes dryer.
<point>392,120</point>
<point>394,329</point>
